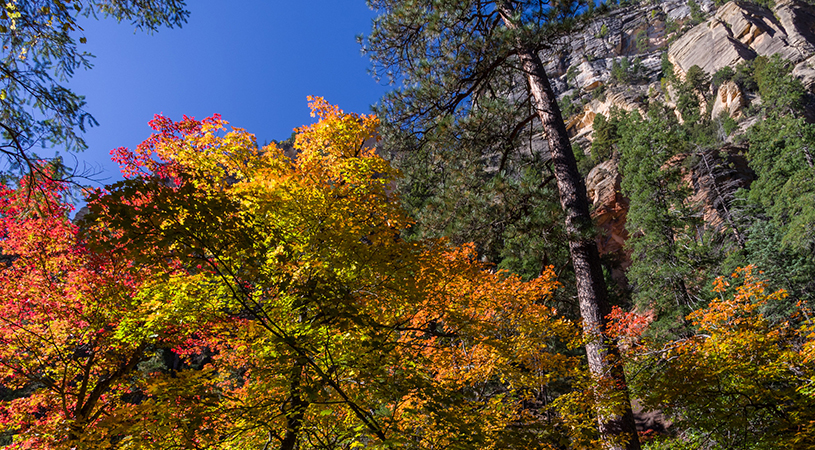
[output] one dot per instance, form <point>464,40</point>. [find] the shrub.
<point>642,42</point>
<point>667,68</point>
<point>724,74</point>
<point>697,16</point>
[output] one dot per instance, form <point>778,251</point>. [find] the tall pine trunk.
<point>616,424</point>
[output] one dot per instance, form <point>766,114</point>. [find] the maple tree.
<point>64,359</point>
<point>322,327</point>
<point>742,381</point>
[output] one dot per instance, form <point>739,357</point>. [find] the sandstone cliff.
<point>641,35</point>
<point>742,31</point>
<point>589,74</point>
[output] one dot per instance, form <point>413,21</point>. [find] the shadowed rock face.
<point>713,180</point>
<point>742,31</point>
<point>609,210</point>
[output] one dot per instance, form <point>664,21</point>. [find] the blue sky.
<point>252,61</point>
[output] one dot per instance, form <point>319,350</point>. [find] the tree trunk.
<point>616,424</point>
<point>295,409</point>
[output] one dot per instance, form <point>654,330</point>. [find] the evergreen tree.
<point>668,252</point>
<point>471,67</point>
<point>780,204</point>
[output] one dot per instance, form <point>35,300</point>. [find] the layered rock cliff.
<point>619,61</point>
<point>741,31</point>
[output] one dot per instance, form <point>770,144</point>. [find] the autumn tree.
<point>41,51</point>
<point>324,328</point>
<point>472,83</point>
<point>68,362</point>
<point>743,380</point>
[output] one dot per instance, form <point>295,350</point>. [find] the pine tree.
<point>468,67</point>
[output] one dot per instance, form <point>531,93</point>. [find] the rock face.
<point>741,31</point>
<point>626,99</point>
<point>582,65</point>
<point>609,210</point>
<point>805,71</point>
<point>608,205</point>
<point>715,178</point>
<point>730,99</point>
<point>584,60</point>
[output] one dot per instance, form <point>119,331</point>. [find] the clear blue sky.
<point>252,61</point>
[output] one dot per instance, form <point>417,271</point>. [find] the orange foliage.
<point>321,324</point>
<point>742,379</point>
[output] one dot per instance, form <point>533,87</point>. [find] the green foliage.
<point>689,439</point>
<point>567,106</point>
<point>460,194</point>
<point>785,267</point>
<point>571,74</point>
<point>697,79</point>
<point>570,106</point>
<point>780,92</point>
<point>603,31</point>
<point>726,73</point>
<point>671,26</point>
<point>668,251</point>
<point>667,68</point>
<point>41,51</point>
<point>599,93</point>
<point>619,70</point>
<point>688,105</point>
<point>744,76</point>
<point>641,41</point>
<point>728,124</point>
<point>625,71</point>
<point>781,153</point>
<point>605,136</point>
<point>696,14</point>
<point>691,93</point>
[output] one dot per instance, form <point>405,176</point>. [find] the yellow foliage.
<point>743,380</point>
<point>319,318</point>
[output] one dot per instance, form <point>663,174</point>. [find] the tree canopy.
<point>271,301</point>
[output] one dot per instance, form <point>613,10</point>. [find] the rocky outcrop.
<point>805,71</point>
<point>715,178</point>
<point>583,61</point>
<point>609,209</point>
<point>626,99</point>
<point>741,31</point>
<point>730,99</point>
